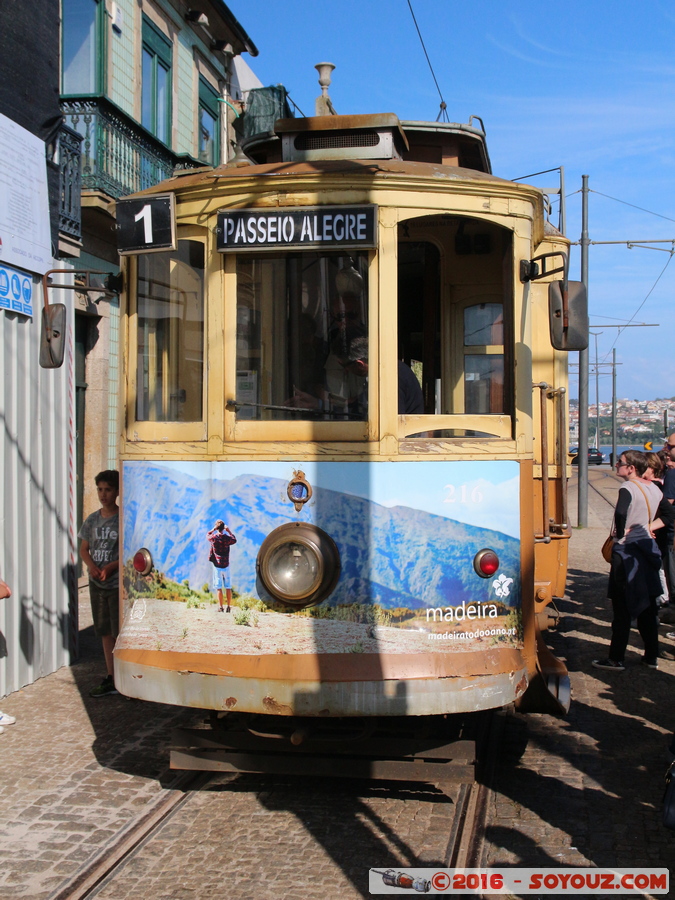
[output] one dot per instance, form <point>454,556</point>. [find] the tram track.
<point>464,847</point>
<point>606,479</point>
<point>466,844</point>
<point>100,870</point>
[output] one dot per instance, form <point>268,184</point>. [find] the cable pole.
<point>596,334</point>
<point>613,454</point>
<point>582,503</point>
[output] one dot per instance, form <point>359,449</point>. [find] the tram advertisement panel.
<point>328,557</point>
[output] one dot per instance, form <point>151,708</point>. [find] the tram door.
<point>419,315</point>
<point>455,312</point>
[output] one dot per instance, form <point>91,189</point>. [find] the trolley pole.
<point>582,515</point>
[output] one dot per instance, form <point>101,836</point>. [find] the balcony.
<point>67,158</point>
<point>119,156</point>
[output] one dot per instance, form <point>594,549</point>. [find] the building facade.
<point>98,99</point>
<point>38,216</point>
<point>151,87</point>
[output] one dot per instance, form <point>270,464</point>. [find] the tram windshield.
<point>302,337</point>
<point>170,307</point>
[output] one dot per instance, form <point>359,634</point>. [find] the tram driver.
<point>410,397</point>
<point>337,387</point>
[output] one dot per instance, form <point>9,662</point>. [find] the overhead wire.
<point>661,273</point>
<point>625,203</point>
<point>444,107</point>
<point>649,293</point>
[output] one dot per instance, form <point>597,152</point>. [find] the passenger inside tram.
<point>297,316</point>
<point>410,398</point>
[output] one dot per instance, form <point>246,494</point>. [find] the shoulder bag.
<point>610,539</point>
<point>608,546</point>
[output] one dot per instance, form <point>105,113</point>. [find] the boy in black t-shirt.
<point>99,549</point>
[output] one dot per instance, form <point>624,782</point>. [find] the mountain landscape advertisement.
<point>391,555</point>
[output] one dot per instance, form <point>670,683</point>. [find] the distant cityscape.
<point>637,421</point>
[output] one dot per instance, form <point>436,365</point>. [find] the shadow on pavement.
<point>596,775</point>
<point>131,736</point>
<point>351,820</point>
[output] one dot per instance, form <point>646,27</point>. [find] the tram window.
<point>302,337</point>
<point>484,373</point>
<point>170,305</point>
<point>455,312</point>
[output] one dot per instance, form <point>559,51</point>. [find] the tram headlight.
<point>298,564</point>
<point>486,563</point>
<point>142,561</point>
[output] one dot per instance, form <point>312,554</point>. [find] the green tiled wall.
<point>122,86</point>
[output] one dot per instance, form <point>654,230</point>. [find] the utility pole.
<point>596,334</point>
<point>582,503</point>
<point>613,455</point>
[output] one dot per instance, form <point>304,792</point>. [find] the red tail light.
<point>486,563</point>
<point>142,561</point>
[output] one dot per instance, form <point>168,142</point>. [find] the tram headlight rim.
<point>322,547</point>
<point>271,578</point>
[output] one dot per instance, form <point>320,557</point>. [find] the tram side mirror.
<point>575,335</point>
<point>53,336</point>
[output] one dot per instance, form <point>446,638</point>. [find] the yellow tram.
<point>342,350</point>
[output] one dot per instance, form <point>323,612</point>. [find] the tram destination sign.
<point>336,227</point>
<point>146,225</point>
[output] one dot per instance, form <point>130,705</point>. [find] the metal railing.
<point>119,156</point>
<point>67,157</point>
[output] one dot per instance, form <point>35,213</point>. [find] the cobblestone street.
<point>583,790</point>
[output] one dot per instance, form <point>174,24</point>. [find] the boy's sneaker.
<point>650,663</point>
<point>608,664</point>
<point>6,719</point>
<point>107,686</point>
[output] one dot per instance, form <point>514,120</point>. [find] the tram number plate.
<point>146,225</point>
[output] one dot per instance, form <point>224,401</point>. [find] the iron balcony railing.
<point>67,158</point>
<point>118,155</point>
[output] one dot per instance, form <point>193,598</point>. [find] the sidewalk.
<point>70,779</point>
<point>586,789</point>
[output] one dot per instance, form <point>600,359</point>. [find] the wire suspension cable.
<point>443,113</point>
<point>651,290</point>
<point>625,203</point>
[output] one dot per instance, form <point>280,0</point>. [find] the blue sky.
<point>586,85</point>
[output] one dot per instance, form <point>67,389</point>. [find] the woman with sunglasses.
<point>634,581</point>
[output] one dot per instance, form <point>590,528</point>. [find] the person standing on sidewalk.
<point>666,543</point>
<point>5,719</point>
<point>99,549</point>
<point>634,582</point>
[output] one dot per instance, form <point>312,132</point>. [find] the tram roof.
<point>239,170</point>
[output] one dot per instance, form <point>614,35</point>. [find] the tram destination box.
<point>337,227</point>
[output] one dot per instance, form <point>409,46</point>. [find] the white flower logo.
<point>502,586</point>
<point>138,610</point>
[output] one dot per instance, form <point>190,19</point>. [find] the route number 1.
<point>146,215</point>
<point>147,224</point>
